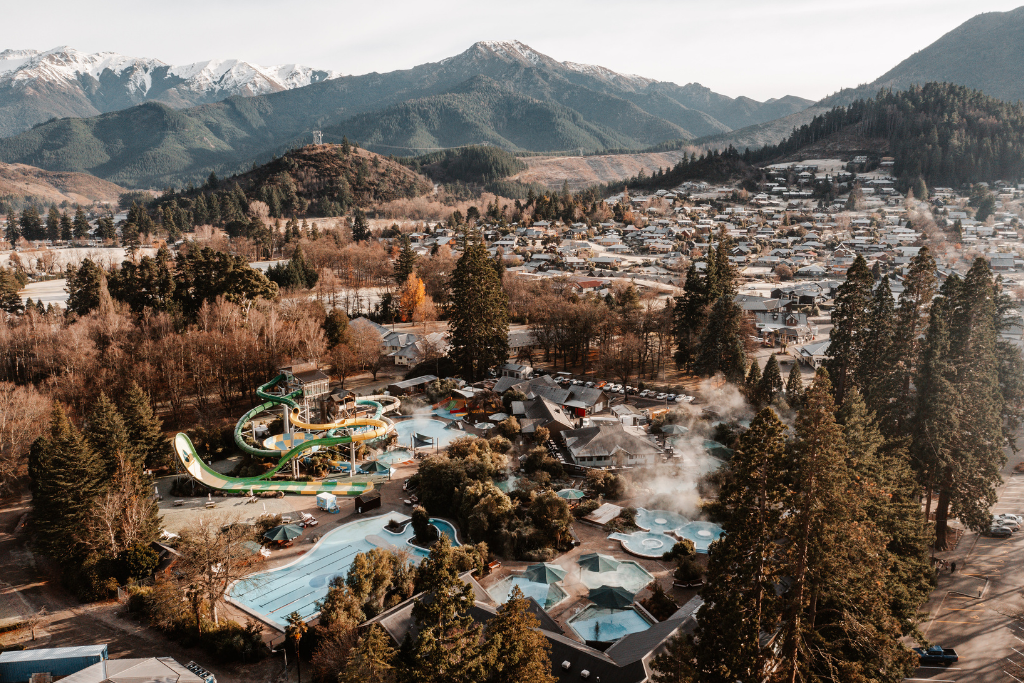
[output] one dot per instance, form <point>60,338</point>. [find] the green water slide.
<point>272,400</point>
<point>202,472</point>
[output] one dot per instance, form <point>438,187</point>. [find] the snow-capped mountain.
<point>36,86</point>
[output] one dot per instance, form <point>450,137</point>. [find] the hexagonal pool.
<point>546,595</point>
<point>605,625</point>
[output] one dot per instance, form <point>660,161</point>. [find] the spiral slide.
<point>379,426</point>
<point>202,472</point>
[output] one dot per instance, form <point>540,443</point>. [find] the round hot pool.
<point>659,521</point>
<point>645,543</point>
<point>703,534</point>
<point>428,427</point>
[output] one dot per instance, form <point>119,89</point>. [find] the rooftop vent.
<point>566,665</point>
<point>584,674</point>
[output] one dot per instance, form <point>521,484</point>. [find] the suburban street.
<point>978,610</point>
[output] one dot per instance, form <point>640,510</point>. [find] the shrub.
<point>688,571</point>
<point>540,555</point>
<point>499,444</point>
<point>584,508</point>
<point>509,427</point>
<point>659,604</point>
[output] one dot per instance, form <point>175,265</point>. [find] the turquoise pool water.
<point>659,521</point>
<point>546,595</point>
<point>428,427</point>
<point>645,543</point>
<point>298,586</point>
<point>703,534</point>
<point>606,625</point>
<point>507,485</point>
<point>399,455</point>
<point>629,575</point>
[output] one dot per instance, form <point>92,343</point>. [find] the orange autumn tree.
<point>414,302</point>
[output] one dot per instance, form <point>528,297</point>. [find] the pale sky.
<point>757,48</point>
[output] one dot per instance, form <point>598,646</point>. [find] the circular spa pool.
<point>659,521</point>
<point>645,543</point>
<point>428,427</point>
<point>703,534</point>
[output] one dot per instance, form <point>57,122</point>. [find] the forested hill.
<point>941,133</point>
<point>317,180</point>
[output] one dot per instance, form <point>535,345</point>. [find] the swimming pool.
<point>703,534</point>
<point>605,625</point>
<point>427,427</point>
<point>629,575</point>
<point>297,587</point>
<point>547,595</point>
<point>398,456</point>
<point>659,521</point>
<point>645,543</point>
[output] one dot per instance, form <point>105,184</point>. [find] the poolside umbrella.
<point>613,597</point>
<point>545,573</point>
<point>571,494</point>
<point>596,562</point>
<point>674,429</point>
<point>285,532</point>
<point>375,467</point>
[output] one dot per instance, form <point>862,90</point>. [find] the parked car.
<point>936,655</point>
<point>1006,515</point>
<point>620,390</point>
<point>1009,522</point>
<point>671,397</point>
<point>680,398</point>
<point>662,396</point>
<point>1000,531</point>
<point>645,393</point>
<point>589,384</point>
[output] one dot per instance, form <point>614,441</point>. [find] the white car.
<point>680,398</point>
<point>1007,515</point>
<point>671,397</point>
<point>645,393</point>
<point>620,390</point>
<point>661,397</point>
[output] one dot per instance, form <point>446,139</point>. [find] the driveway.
<point>978,609</point>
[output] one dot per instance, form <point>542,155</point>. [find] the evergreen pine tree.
<point>872,375</point>
<point>10,299</point>
<point>746,564</point>
<point>721,346</point>
<point>66,228</point>
<point>675,664</point>
<point>834,611</point>
<point>144,428</point>
<point>771,381</point>
<point>753,384</point>
<point>690,318</point>
<point>795,386</point>
<point>84,287</point>
<point>513,647</point>
<point>406,261</point>
<point>371,659</point>
<point>447,646</point>
<point>53,224</point>
<point>67,477</point>
<point>892,503</point>
<point>360,226</point>
<point>336,327</point>
<point>849,323</point>
<point>80,225</point>
<point>108,436</point>
<point>959,418</point>
<point>478,322</point>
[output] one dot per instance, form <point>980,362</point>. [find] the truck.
<point>937,655</point>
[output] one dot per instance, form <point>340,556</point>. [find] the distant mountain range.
<point>63,82</point>
<point>500,93</point>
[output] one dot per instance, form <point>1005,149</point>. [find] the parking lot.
<point>977,610</point>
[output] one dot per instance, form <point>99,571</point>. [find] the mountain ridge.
<point>38,85</point>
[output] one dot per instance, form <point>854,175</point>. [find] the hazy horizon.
<point>811,49</point>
